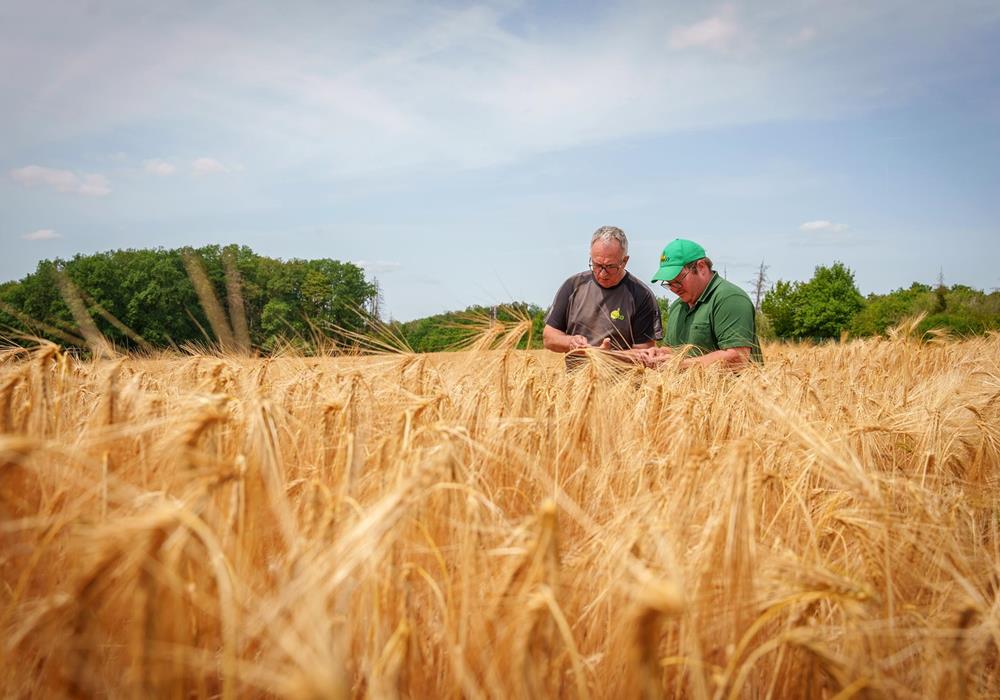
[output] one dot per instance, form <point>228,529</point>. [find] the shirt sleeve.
<point>647,324</point>
<point>558,315</point>
<point>734,323</point>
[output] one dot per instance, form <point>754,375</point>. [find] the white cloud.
<point>399,87</point>
<point>822,225</point>
<point>155,166</point>
<point>42,234</point>
<point>94,186</point>
<point>87,184</point>
<point>377,266</point>
<point>716,32</point>
<point>208,166</point>
<point>406,86</point>
<point>60,180</point>
<point>804,36</point>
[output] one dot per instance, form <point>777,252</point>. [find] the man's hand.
<point>653,357</point>
<point>555,340</point>
<point>645,356</point>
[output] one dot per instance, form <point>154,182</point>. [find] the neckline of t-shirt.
<point>608,289</point>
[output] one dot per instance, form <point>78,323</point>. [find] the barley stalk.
<point>483,524</point>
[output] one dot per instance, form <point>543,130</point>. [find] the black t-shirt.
<point>626,313</point>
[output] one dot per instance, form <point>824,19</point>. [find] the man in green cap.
<point>713,318</point>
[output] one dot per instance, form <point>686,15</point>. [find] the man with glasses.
<point>605,307</point>
<point>712,317</point>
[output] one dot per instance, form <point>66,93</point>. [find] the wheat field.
<point>484,525</point>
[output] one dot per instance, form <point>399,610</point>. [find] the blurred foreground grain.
<point>481,524</point>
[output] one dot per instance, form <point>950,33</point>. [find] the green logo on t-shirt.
<point>617,315</point>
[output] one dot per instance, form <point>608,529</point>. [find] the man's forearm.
<point>732,358</point>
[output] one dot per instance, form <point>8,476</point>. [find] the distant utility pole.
<point>759,285</point>
<point>376,302</point>
<point>940,294</point>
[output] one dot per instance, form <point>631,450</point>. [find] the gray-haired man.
<point>605,307</point>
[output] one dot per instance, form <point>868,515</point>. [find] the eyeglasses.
<point>609,269</point>
<point>677,281</point>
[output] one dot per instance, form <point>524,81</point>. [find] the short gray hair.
<point>611,233</point>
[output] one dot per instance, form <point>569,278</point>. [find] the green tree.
<point>150,293</point>
<point>36,304</point>
<point>883,311</point>
<point>779,307</point>
<point>453,329</point>
<point>827,303</point>
<point>821,308</point>
<point>664,306</point>
<point>959,309</point>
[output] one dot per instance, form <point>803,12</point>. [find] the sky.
<point>464,153</point>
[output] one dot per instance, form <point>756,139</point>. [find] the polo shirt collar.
<point>709,288</point>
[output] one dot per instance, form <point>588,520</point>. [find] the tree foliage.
<point>827,303</point>
<point>959,309</point>
<point>664,306</point>
<point>150,292</point>
<point>821,308</point>
<point>147,298</point>
<point>452,330</point>
<point>779,307</point>
<point>830,303</point>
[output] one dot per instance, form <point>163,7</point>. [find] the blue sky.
<point>464,153</point>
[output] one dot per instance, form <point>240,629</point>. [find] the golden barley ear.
<point>234,297</point>
<point>209,302</point>
<point>98,345</point>
<point>655,602</point>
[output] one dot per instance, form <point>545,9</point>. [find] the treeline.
<point>455,329</point>
<point>829,305</point>
<point>203,296</point>
<point>230,297</point>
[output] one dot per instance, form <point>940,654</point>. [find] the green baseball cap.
<point>678,253</point>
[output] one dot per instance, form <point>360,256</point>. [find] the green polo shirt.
<point>722,318</point>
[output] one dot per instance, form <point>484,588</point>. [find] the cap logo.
<point>663,258</point>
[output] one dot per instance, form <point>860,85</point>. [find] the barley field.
<point>484,525</point>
